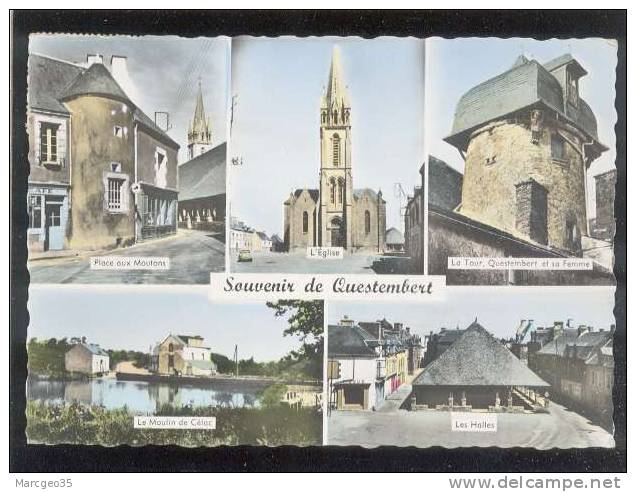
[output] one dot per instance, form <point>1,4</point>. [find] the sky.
<point>164,71</point>
<point>498,309</point>
<point>134,318</point>
<point>278,84</point>
<point>457,65</point>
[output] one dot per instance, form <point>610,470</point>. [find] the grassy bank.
<point>75,423</point>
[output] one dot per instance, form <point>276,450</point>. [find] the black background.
<point>537,24</point>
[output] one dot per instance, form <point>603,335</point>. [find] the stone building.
<point>527,139</point>
<point>604,224</point>
<point>394,240</point>
<point>579,365</point>
<point>336,214</point>
<point>84,129</point>
<point>87,358</point>
<point>183,355</point>
<point>476,372</point>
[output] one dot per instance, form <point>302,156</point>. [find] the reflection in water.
<point>138,396</point>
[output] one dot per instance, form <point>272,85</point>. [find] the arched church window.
<point>332,190</point>
<point>340,190</point>
<point>336,150</point>
<point>367,222</point>
<point>305,222</point>
<point>335,116</point>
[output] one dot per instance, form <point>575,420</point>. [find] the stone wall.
<point>605,224</point>
<point>532,211</point>
<point>146,147</point>
<point>294,235</point>
<point>374,239</point>
<point>503,154</point>
<point>94,147</point>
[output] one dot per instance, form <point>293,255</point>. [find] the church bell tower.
<point>336,182</point>
<point>200,131</point>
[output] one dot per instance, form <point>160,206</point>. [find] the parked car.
<point>245,255</point>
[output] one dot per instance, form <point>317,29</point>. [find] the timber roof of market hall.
<point>203,176</point>
<point>349,341</point>
<point>478,359</point>
<point>52,81</point>
<point>526,84</point>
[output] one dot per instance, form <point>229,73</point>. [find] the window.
<point>170,347</point>
<point>35,211</point>
<point>48,142</point>
<point>572,90</point>
<point>115,188</point>
<point>557,147</point>
<point>332,190</point>
<point>336,150</point>
<point>115,167</point>
<point>367,222</point>
<point>119,131</point>
<point>305,222</point>
<point>53,217</point>
<point>340,190</point>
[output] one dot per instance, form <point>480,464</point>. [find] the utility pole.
<point>236,361</point>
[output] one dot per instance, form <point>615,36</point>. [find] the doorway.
<point>53,230</point>
<point>337,239</point>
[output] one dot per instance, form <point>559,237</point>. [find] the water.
<point>139,396</point>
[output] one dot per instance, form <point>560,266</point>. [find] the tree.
<point>306,321</point>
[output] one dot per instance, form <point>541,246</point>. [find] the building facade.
<point>84,130</point>
<point>183,355</point>
<point>87,358</point>
<point>336,214</point>
<point>527,139</point>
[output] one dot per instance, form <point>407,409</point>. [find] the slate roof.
<point>262,236</point>
<point>203,176</point>
<point>276,239</point>
<point>477,359</point>
<point>394,236</point>
<point>96,80</point>
<point>47,80</point>
<point>349,341</point>
<point>449,336</point>
<point>52,81</point>
<point>360,192</point>
<point>95,349</point>
<point>527,83</point>
<point>587,344</point>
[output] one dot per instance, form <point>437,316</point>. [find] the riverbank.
<point>75,423</point>
<point>215,380</point>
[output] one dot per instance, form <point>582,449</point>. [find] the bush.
<point>76,423</point>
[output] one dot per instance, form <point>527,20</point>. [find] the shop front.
<point>48,208</point>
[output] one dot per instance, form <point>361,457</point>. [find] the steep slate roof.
<point>394,236</point>
<point>527,83</point>
<point>47,80</point>
<point>587,344</point>
<point>276,239</point>
<point>97,81</point>
<point>360,192</point>
<point>349,341</point>
<point>478,359</point>
<point>203,176</point>
<point>450,336</point>
<point>262,236</point>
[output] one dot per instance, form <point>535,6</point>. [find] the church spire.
<point>336,94</point>
<point>200,132</point>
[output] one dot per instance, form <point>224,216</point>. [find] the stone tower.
<point>200,131</point>
<point>528,139</point>
<point>336,181</point>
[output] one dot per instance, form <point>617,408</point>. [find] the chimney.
<point>612,329</point>
<point>531,201</point>
<point>408,330</point>
<point>91,59</point>
<point>346,321</point>
<point>570,323</point>
<point>119,71</point>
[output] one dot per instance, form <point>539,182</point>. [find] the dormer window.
<point>572,89</point>
<point>48,142</point>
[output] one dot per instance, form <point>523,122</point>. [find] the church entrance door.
<point>337,238</point>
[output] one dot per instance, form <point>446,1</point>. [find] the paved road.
<point>297,262</point>
<point>560,428</point>
<point>193,255</point>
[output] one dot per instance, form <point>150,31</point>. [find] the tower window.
<point>340,190</point>
<point>557,147</point>
<point>336,150</point>
<point>115,187</point>
<point>367,222</point>
<point>332,190</point>
<point>305,222</point>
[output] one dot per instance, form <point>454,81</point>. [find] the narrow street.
<point>560,428</point>
<point>193,255</point>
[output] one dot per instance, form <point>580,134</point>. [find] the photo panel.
<point>127,155</point>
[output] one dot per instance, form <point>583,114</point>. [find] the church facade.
<point>336,214</point>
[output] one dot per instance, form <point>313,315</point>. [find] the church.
<point>336,214</point>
